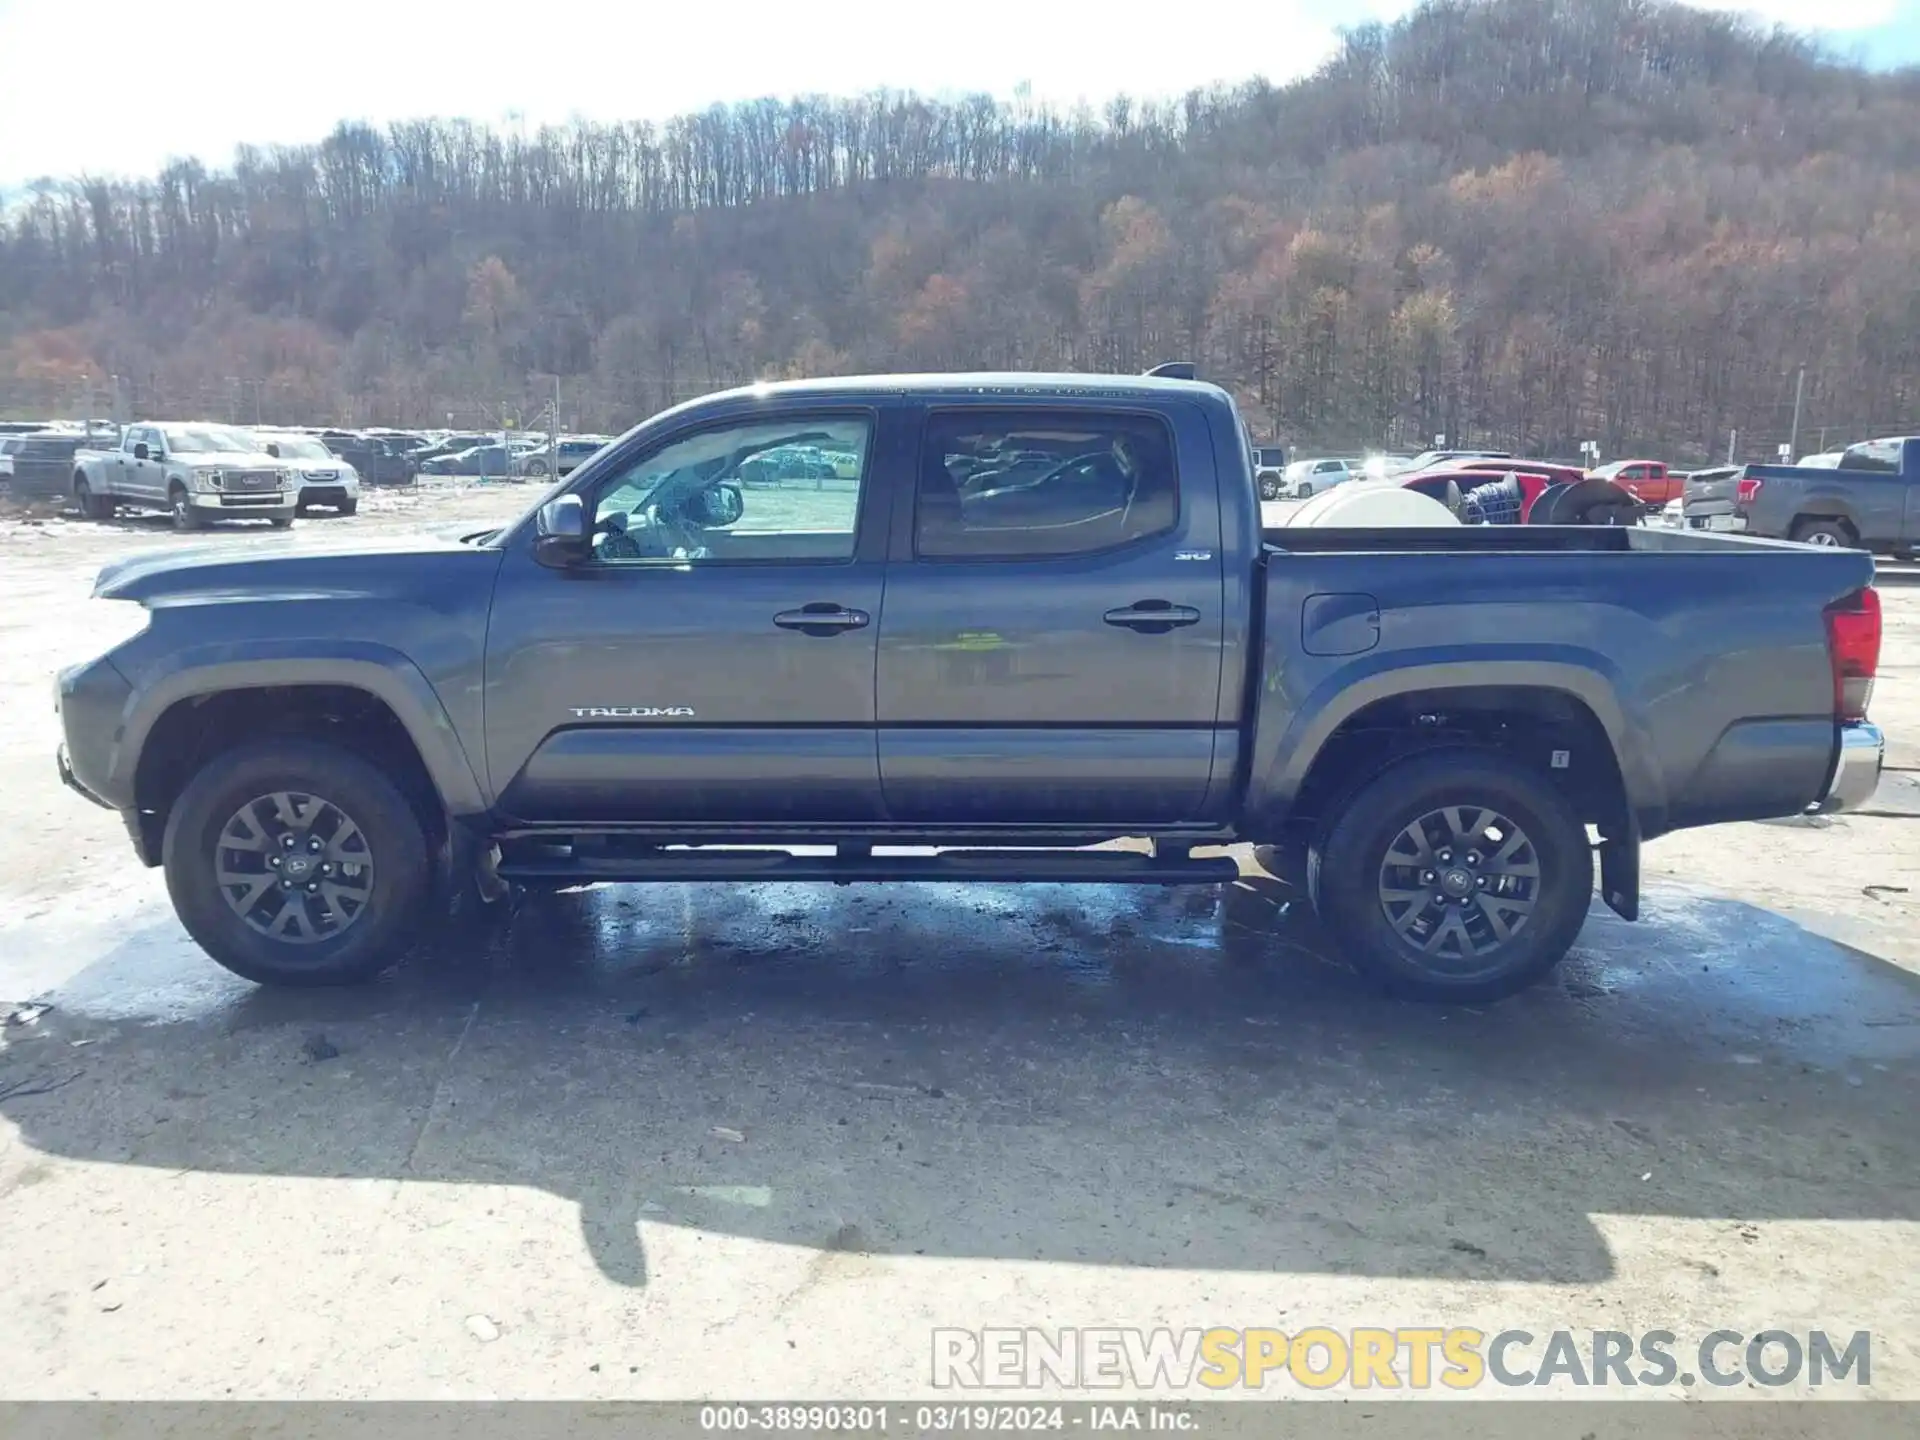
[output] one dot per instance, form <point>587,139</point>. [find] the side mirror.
<point>560,537</point>
<point>718,505</point>
<point>273,449</point>
<point>140,451</point>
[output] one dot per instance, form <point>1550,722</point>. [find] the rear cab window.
<point>1034,483</point>
<point>1882,456</point>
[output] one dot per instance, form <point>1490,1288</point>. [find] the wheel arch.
<point>1401,709</point>
<point>373,699</point>
<point>1824,511</point>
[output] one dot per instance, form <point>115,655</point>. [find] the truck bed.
<point>1510,540</point>
<point>1703,656</point>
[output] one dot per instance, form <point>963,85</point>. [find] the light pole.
<point>1799,389</point>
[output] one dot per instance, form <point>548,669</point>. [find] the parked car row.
<point>399,457</point>
<point>200,472</point>
<point>1867,496</point>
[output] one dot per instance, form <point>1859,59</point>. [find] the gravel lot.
<point>691,1141</point>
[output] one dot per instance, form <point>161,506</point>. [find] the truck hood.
<point>231,460</point>
<point>209,574</point>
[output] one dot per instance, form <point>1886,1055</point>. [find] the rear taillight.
<point>1745,492</point>
<point>1853,645</point>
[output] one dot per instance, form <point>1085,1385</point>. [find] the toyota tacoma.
<point>1029,615</point>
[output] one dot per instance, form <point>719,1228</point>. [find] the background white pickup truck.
<point>198,472</point>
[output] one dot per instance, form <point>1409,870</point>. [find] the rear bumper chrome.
<point>1856,771</point>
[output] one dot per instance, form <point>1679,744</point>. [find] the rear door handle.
<point>1153,617</point>
<point>822,618</point>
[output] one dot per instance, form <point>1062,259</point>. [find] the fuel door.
<point>1339,624</point>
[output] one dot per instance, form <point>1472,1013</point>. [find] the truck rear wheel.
<point>92,506</point>
<point>292,862</point>
<point>1456,875</point>
<point>1829,533</point>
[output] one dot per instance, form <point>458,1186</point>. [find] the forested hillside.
<point>1526,221</point>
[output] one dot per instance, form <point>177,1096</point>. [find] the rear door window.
<point>1036,483</point>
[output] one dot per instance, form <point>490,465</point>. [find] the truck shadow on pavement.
<point>1088,1075</point>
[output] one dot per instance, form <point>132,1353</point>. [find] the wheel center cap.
<point>1456,881</point>
<point>297,865</point>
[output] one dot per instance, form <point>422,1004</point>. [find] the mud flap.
<point>467,867</point>
<point>1620,872</point>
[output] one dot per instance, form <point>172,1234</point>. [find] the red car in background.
<point>1648,481</point>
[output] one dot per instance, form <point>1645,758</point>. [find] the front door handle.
<point>1153,617</point>
<point>822,618</point>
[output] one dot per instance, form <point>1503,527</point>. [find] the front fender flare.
<point>379,670</point>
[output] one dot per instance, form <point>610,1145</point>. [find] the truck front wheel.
<point>180,506</point>
<point>1456,875</point>
<point>292,862</point>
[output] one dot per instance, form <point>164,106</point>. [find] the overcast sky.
<point>117,87</point>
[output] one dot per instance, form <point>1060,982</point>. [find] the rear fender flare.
<point>1281,767</point>
<point>1826,506</point>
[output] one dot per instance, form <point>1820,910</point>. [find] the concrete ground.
<point>697,1141</point>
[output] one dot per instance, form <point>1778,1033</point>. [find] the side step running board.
<point>1072,867</point>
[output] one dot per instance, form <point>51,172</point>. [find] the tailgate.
<point>1714,488</point>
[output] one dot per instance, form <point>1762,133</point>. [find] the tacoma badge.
<point>632,712</point>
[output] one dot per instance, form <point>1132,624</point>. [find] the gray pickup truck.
<point>1870,501</point>
<point>1028,615</point>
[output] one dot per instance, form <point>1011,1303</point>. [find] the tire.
<point>302,509</point>
<point>535,470</point>
<point>1303,492</point>
<point>185,517</point>
<point>1353,868</point>
<point>350,507</point>
<point>1829,534</point>
<point>371,925</point>
<point>281,522</point>
<point>92,506</point>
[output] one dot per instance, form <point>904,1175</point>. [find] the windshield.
<point>1607,472</point>
<point>296,447</point>
<point>1299,468</point>
<point>208,440</point>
